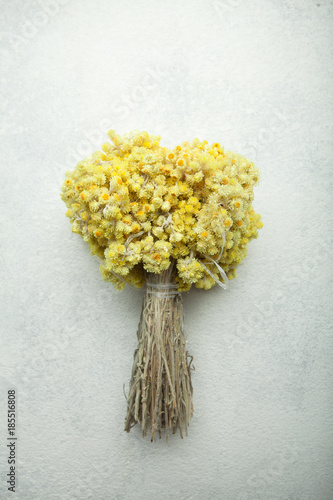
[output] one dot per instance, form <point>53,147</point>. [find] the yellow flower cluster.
<point>138,205</point>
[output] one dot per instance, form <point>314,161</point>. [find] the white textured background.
<point>255,76</point>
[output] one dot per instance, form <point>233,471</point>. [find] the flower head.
<point>139,205</point>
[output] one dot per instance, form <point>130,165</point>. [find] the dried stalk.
<point>160,394</point>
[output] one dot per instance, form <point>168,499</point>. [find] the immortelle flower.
<point>167,219</point>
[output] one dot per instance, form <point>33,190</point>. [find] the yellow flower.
<point>138,205</point>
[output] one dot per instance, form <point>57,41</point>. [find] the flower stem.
<point>160,395</point>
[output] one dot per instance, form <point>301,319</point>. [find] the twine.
<point>223,284</point>
<point>162,290</point>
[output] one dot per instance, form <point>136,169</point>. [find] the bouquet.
<point>168,219</point>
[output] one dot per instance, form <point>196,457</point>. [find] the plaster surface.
<point>256,77</point>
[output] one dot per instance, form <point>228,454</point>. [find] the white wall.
<point>256,77</point>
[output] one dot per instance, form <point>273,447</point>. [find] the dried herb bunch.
<point>160,388</point>
<point>170,219</point>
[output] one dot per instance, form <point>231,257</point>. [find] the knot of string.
<point>223,284</point>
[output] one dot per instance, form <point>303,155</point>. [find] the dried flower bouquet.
<point>170,219</point>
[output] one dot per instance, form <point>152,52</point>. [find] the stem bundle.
<point>160,394</point>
